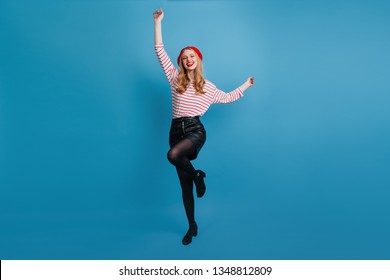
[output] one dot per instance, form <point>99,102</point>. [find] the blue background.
<point>297,169</point>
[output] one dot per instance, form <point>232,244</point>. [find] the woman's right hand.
<point>158,15</point>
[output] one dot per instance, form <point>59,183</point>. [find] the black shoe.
<point>199,183</point>
<point>192,231</point>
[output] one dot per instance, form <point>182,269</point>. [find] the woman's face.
<point>189,59</point>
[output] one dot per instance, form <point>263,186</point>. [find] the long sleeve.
<point>223,97</point>
<point>165,62</point>
<point>190,103</point>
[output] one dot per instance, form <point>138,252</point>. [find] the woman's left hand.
<point>250,81</point>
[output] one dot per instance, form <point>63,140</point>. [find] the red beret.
<point>195,49</point>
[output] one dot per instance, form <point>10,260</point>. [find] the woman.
<point>192,95</point>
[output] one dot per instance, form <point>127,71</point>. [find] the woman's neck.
<point>191,75</point>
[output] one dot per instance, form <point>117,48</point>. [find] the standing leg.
<point>187,185</point>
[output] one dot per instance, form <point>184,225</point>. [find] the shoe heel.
<point>187,239</point>
<point>199,182</point>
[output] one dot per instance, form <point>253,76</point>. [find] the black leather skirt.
<point>190,128</point>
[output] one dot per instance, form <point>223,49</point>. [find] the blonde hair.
<point>183,78</point>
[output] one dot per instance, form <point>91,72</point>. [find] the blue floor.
<point>244,215</point>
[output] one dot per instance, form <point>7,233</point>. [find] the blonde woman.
<point>192,95</point>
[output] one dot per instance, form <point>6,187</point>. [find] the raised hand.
<point>250,81</point>
<point>158,15</point>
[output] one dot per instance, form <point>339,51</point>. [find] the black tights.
<point>178,156</point>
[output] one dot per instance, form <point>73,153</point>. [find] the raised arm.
<point>158,16</point>
<point>165,61</point>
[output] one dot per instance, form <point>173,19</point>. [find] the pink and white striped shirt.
<point>188,103</point>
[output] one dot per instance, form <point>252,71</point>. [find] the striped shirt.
<point>189,103</point>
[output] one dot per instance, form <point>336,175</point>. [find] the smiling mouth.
<point>190,64</point>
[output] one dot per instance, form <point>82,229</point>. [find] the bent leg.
<point>179,154</point>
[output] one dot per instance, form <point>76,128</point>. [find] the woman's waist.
<point>187,123</point>
<point>186,119</point>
